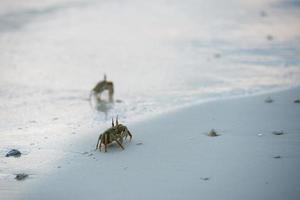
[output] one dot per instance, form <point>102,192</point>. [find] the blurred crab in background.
<point>117,133</point>
<point>101,87</point>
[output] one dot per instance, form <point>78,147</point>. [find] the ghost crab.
<point>117,133</point>
<point>101,87</point>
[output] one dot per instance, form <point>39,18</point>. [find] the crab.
<point>117,133</point>
<point>101,87</point>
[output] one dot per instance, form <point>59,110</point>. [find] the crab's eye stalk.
<point>112,122</point>
<point>117,122</point>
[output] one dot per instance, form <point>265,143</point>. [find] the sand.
<point>172,157</point>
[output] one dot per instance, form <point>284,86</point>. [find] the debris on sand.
<point>270,37</point>
<point>297,101</point>
<point>278,133</point>
<point>20,177</point>
<point>212,133</point>
<point>205,178</point>
<point>269,100</point>
<point>217,55</point>
<point>263,13</point>
<point>14,153</point>
<point>276,157</point>
<point>139,143</point>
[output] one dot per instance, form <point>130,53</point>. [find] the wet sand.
<point>172,157</point>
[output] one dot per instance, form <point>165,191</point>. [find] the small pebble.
<point>205,178</point>
<point>139,143</point>
<point>13,152</point>
<point>270,37</point>
<point>217,55</point>
<point>22,176</point>
<point>276,157</point>
<point>297,101</point>
<point>277,132</point>
<point>269,100</point>
<point>263,13</point>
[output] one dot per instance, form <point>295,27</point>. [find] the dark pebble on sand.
<point>297,101</point>
<point>205,179</point>
<point>217,55</point>
<point>276,157</point>
<point>13,152</point>
<point>270,37</point>
<point>139,143</point>
<point>269,100</point>
<point>263,14</point>
<point>277,132</point>
<point>22,176</point>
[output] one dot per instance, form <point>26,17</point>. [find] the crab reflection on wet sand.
<point>117,133</point>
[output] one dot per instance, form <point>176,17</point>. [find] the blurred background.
<point>161,55</point>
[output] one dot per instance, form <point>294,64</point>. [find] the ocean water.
<point>160,54</point>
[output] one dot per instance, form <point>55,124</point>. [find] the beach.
<point>172,157</point>
<point>207,89</point>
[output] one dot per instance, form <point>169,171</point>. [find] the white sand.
<point>176,158</point>
<point>160,55</point>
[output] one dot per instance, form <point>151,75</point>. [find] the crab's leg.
<point>105,142</point>
<point>101,143</point>
<point>121,140</point>
<point>129,134</point>
<point>99,139</point>
<point>119,144</point>
<point>124,134</point>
